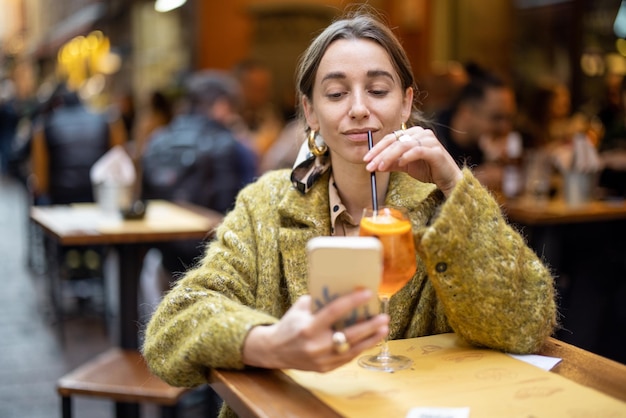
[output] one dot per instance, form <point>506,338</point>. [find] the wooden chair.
<point>121,376</point>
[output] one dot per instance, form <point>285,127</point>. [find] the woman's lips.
<point>357,136</point>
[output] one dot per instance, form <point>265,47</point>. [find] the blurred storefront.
<point>572,40</point>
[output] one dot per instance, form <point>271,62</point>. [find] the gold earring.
<point>317,151</point>
<point>403,126</point>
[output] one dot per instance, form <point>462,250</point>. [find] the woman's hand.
<point>418,152</point>
<point>304,340</point>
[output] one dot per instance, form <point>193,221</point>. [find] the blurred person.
<point>157,113</point>
<point>547,117</point>
<point>612,106</point>
<point>246,303</point>
<point>474,128</point>
<point>9,119</point>
<point>261,121</point>
<point>197,158</point>
<point>443,85</point>
<point>125,105</point>
<point>20,108</point>
<point>612,149</point>
<point>566,138</point>
<point>283,152</point>
<point>549,120</point>
<point>68,138</point>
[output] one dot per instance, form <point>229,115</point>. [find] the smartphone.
<point>341,265</point>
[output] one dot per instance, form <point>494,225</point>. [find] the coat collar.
<point>311,209</point>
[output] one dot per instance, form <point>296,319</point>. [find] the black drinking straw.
<point>370,144</point>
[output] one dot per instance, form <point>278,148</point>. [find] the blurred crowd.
<point>488,125</point>
<point>239,101</point>
<point>199,140</point>
<point>202,140</point>
<point>518,143</point>
<point>477,114</point>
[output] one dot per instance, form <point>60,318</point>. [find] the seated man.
<point>474,127</point>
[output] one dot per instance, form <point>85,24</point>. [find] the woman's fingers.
<point>387,153</point>
<point>418,152</point>
<point>303,339</point>
<point>367,334</point>
<point>359,337</point>
<point>341,308</point>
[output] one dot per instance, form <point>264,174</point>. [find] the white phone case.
<point>340,265</point>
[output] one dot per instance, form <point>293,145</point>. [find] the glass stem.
<point>384,349</point>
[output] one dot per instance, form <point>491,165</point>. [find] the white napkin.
<point>438,412</point>
<point>543,362</point>
<point>114,168</point>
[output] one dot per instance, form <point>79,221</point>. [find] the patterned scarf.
<point>308,169</point>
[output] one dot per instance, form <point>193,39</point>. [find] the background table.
<point>528,211</point>
<point>585,248</point>
<point>86,224</point>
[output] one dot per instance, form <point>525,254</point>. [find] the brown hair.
<point>356,25</point>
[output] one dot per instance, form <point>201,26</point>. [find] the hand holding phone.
<point>340,265</point>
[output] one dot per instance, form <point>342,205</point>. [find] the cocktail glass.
<point>393,228</point>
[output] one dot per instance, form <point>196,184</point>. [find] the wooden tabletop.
<point>87,224</point>
<point>531,212</point>
<point>588,369</point>
<point>271,393</point>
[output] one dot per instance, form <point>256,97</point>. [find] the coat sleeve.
<point>203,321</point>
<point>494,289</point>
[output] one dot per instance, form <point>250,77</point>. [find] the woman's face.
<point>356,89</point>
<point>560,104</point>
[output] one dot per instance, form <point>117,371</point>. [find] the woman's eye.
<point>334,95</point>
<point>379,93</point>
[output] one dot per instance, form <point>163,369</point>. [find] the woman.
<point>246,303</point>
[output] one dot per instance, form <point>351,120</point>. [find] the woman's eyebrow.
<point>379,73</point>
<point>335,75</point>
<point>338,75</point>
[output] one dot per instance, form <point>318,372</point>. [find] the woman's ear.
<point>309,113</point>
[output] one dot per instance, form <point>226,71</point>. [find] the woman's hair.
<point>356,25</point>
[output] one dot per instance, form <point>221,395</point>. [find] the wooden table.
<point>570,240</point>
<point>86,224</point>
<point>530,212</point>
<point>271,393</point>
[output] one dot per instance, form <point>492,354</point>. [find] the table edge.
<point>84,238</point>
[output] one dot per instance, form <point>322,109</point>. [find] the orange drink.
<point>393,229</point>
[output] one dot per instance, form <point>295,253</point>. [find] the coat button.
<point>441,267</point>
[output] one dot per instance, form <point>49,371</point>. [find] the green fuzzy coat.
<point>475,276</point>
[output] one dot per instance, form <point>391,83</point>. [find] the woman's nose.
<point>358,107</point>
